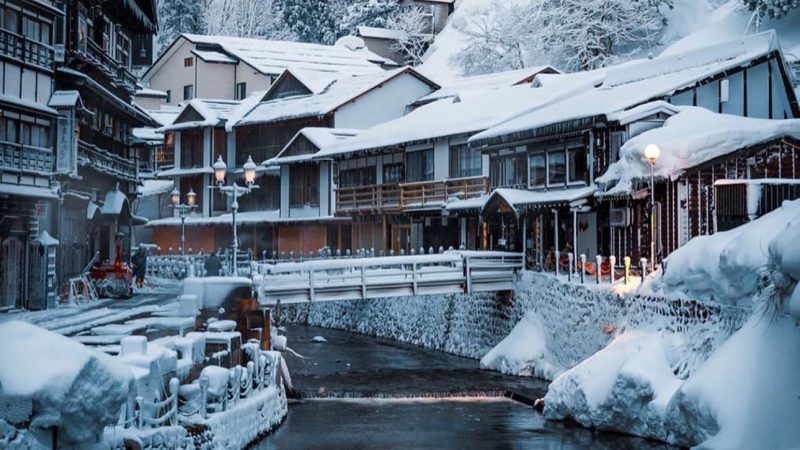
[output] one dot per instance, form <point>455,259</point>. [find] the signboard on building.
<point>67,144</point>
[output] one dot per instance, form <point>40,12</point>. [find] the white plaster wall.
<point>381,104</point>
<point>150,103</point>
<point>256,81</point>
<point>214,80</point>
<point>172,76</point>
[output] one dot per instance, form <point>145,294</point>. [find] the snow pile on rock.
<point>523,352</point>
<point>725,267</point>
<point>72,387</point>
<point>633,373</point>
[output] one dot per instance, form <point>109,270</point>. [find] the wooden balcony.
<point>396,197</point>
<point>25,159</point>
<point>119,74</point>
<point>106,162</point>
<point>18,47</point>
<point>368,198</point>
<point>428,194</point>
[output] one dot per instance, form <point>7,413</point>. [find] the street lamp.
<point>652,152</point>
<point>183,210</point>
<point>235,191</point>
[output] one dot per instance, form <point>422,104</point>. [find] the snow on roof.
<point>155,187</point>
<point>442,118</point>
<point>338,93</point>
<point>316,82</point>
<point>64,99</point>
<point>46,240</point>
<point>320,137</point>
<point>165,115</point>
<point>215,112</point>
<point>521,197</point>
<point>272,57</point>
<point>380,33</point>
<point>614,89</point>
<point>147,92</point>
<point>114,202</point>
<point>27,191</point>
<point>249,217</point>
<point>690,138</point>
<point>180,171</point>
<point>28,104</point>
<point>214,56</point>
<point>463,87</point>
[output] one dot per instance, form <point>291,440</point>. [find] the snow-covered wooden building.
<point>558,150</point>
<point>94,92</point>
<point>395,179</point>
<point>232,68</point>
<point>27,157</point>
<point>260,127</point>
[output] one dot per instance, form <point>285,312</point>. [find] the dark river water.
<point>362,392</point>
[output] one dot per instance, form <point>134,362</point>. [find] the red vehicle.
<point>113,279</point>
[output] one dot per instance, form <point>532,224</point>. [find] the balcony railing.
<point>119,73</point>
<point>18,47</point>
<point>26,159</point>
<point>423,194</point>
<point>368,198</point>
<point>434,193</point>
<point>106,162</point>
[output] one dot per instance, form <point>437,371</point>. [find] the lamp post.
<point>235,191</point>
<point>652,152</point>
<point>183,211</point>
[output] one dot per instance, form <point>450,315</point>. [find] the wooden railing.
<point>104,161</point>
<point>435,193</point>
<point>25,159</point>
<point>368,198</point>
<point>119,73</point>
<point>18,47</point>
<point>408,195</point>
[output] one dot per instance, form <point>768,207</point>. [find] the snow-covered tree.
<point>179,16</point>
<point>571,34</point>
<point>412,25</point>
<point>313,20</point>
<point>246,18</point>
<point>775,9</point>
<point>375,13</point>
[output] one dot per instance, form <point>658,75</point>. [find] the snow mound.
<point>624,387</point>
<point>318,339</point>
<point>72,387</point>
<point>725,267</point>
<point>523,352</point>
<point>746,395</point>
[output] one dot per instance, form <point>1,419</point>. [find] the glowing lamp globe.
<point>250,171</point>
<point>219,170</point>
<point>652,152</point>
<point>176,196</point>
<point>191,197</point>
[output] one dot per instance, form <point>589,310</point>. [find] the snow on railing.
<point>389,276</point>
<point>177,267</point>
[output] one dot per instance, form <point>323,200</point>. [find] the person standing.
<point>213,265</point>
<point>140,266</point>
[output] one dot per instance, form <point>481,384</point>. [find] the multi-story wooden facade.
<point>100,170</point>
<point>566,145</point>
<point>28,195</point>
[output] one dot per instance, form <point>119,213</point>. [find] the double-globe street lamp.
<point>235,191</point>
<point>183,211</point>
<point>652,152</point>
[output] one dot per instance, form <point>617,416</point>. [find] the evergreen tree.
<point>774,9</point>
<point>313,20</point>
<point>179,16</point>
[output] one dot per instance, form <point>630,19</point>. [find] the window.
<point>169,96</point>
<point>419,165</point>
<point>556,167</point>
<point>188,62</point>
<point>464,162</point>
<point>241,91</point>
<point>192,148</point>
<point>11,20</point>
<point>393,168</point>
<point>510,170</point>
<point>538,169</point>
<point>304,184</point>
<point>188,92</point>
<point>576,161</point>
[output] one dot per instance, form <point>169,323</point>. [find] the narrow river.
<point>363,392</point>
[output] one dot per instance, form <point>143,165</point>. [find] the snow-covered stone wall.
<point>577,322</point>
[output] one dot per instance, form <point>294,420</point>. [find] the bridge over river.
<point>393,276</point>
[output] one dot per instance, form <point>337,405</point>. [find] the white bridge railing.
<point>393,276</point>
